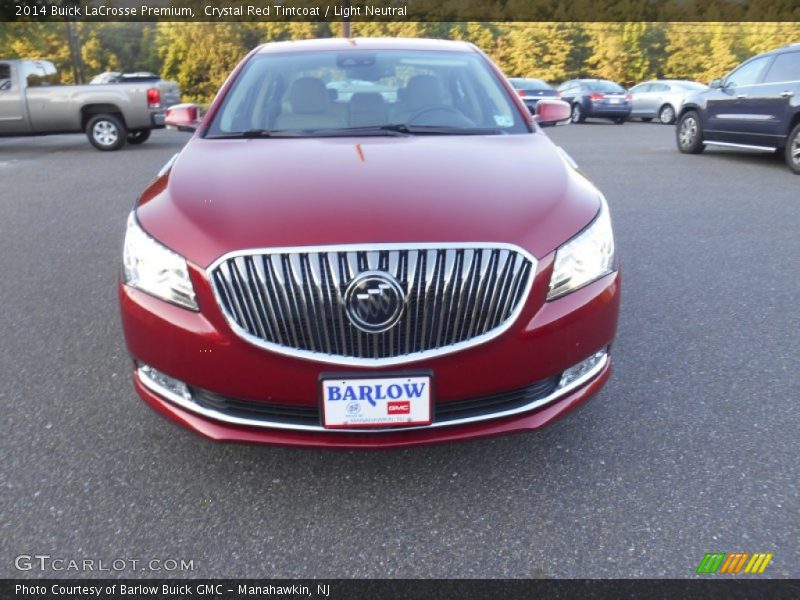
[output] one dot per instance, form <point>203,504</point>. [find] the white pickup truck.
<point>33,103</point>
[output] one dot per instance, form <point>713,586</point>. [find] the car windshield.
<point>353,92</point>
<point>604,86</point>
<point>529,84</point>
<point>691,85</point>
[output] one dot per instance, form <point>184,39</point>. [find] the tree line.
<point>200,55</point>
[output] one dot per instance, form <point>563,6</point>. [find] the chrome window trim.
<point>215,415</point>
<point>788,81</point>
<point>763,83</point>
<point>375,362</point>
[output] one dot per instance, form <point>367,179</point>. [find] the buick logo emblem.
<point>374,301</point>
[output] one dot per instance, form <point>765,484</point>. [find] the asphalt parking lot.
<point>692,447</point>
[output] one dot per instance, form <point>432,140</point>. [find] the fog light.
<point>582,369</point>
<point>163,384</point>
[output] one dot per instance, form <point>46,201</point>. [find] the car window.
<point>659,87</point>
<point>604,86</point>
<point>690,85</point>
<point>5,76</point>
<point>332,90</point>
<point>642,87</point>
<point>748,74</point>
<point>41,74</point>
<point>533,84</point>
<point>785,67</point>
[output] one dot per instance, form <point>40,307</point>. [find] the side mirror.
<point>552,112</point>
<point>183,117</point>
<point>715,84</point>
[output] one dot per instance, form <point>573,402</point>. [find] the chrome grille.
<point>291,300</point>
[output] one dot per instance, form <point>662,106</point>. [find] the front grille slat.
<point>264,293</point>
<point>243,293</point>
<point>447,282</point>
<point>337,308</point>
<point>506,259</point>
<point>468,299</point>
<point>293,300</point>
<point>458,293</point>
<point>235,295</point>
<point>255,291</point>
<point>487,259</point>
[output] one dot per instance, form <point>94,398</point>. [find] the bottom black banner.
<point>336,589</point>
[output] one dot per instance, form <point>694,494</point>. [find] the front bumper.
<point>608,111</point>
<point>158,119</point>
<point>201,350</point>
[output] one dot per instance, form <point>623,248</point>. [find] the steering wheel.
<point>442,108</point>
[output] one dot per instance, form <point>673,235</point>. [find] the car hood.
<point>225,195</point>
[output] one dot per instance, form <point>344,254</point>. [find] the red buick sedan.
<point>368,243</point>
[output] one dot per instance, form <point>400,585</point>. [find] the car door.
<point>639,98</point>
<point>658,97</point>
<point>734,111</point>
<point>12,104</point>
<point>778,94</point>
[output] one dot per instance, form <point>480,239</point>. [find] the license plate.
<point>376,402</point>
<point>615,100</point>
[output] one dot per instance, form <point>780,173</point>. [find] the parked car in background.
<point>596,98</point>
<point>661,99</point>
<point>32,102</point>
<point>532,90</point>
<point>118,77</point>
<point>755,107</point>
<point>304,276</point>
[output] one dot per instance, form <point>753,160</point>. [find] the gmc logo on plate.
<point>402,407</point>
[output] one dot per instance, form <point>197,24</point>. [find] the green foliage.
<point>199,56</point>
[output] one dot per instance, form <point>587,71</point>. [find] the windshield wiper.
<point>404,129</point>
<point>440,129</point>
<point>257,133</point>
<point>395,129</point>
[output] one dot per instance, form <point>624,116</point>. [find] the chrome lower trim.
<point>744,117</point>
<point>741,146</point>
<point>168,165</point>
<point>222,417</point>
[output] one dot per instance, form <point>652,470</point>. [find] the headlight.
<point>585,258</point>
<point>155,269</point>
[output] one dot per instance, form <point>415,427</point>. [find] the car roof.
<point>594,80</point>
<point>793,47</point>
<point>668,81</point>
<point>378,43</point>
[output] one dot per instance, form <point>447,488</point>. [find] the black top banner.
<point>401,10</point>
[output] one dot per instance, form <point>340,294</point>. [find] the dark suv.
<point>755,107</point>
